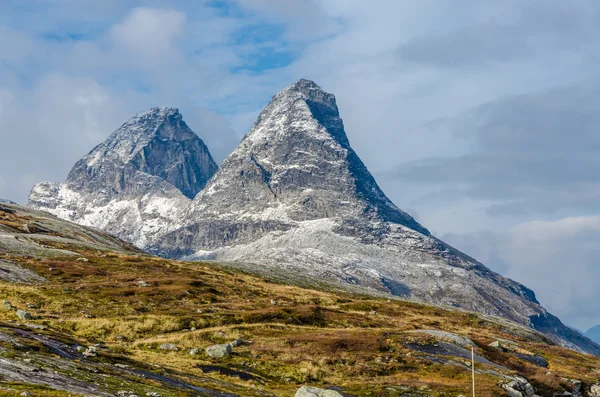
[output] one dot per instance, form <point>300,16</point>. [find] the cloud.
<point>150,33</point>
<point>558,259</point>
<point>531,153</point>
<point>508,32</point>
<point>53,124</point>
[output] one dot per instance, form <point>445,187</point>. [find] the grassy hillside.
<point>127,305</point>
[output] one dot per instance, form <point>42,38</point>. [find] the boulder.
<point>237,342</point>
<point>309,391</point>
<point>218,351</point>
<point>90,352</point>
<point>24,315</point>
<point>519,387</point>
<point>194,352</point>
<point>577,387</point>
<point>595,390</point>
<point>168,347</point>
<point>457,339</point>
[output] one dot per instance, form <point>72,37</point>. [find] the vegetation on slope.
<point>129,305</point>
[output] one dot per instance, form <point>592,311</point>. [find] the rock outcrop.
<point>136,183</point>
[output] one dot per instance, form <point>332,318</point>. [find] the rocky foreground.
<point>85,314</point>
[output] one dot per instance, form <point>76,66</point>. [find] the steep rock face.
<point>136,183</point>
<point>294,195</point>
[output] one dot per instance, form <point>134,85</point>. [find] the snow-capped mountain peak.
<point>136,182</point>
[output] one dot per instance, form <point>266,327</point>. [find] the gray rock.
<point>219,351</point>
<point>460,340</point>
<point>168,347</point>
<point>309,391</point>
<point>90,352</point>
<point>25,394</point>
<point>35,326</point>
<point>577,387</point>
<point>595,390</point>
<point>194,352</point>
<point>11,272</point>
<point>330,393</point>
<point>237,342</point>
<point>519,387</point>
<point>24,315</point>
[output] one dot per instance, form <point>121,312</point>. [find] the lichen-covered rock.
<point>309,391</point>
<point>168,347</point>
<point>24,315</point>
<point>519,387</point>
<point>219,351</point>
<point>595,390</point>
<point>460,340</point>
<point>91,351</point>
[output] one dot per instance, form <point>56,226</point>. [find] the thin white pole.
<point>473,369</point>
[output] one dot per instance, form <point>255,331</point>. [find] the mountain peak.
<point>158,112</point>
<point>304,86</point>
<point>135,182</point>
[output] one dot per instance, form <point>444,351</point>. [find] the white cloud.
<point>558,259</point>
<point>151,33</point>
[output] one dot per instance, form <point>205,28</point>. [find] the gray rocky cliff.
<point>136,183</point>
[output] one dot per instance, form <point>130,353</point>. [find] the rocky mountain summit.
<point>295,195</point>
<point>135,183</point>
<point>293,198</point>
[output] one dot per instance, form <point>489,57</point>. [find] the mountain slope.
<point>594,333</point>
<point>135,183</point>
<point>294,195</point>
<point>107,320</point>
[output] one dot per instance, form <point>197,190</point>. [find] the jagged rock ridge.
<point>134,184</point>
<point>294,195</point>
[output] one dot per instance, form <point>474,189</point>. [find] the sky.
<point>480,119</point>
